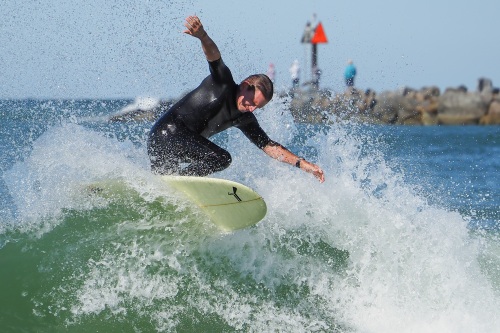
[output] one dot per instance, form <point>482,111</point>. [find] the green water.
<point>402,236</point>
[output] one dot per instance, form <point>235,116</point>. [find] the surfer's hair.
<point>263,83</point>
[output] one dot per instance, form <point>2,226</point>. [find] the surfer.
<point>181,135</point>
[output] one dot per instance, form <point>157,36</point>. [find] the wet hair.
<point>263,83</point>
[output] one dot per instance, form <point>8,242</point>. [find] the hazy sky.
<point>130,48</point>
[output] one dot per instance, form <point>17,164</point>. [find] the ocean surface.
<point>403,236</point>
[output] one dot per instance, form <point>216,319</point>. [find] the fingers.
<point>193,25</point>
<point>192,22</point>
<point>316,171</point>
<point>320,175</point>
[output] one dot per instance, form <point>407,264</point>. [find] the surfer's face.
<point>249,98</point>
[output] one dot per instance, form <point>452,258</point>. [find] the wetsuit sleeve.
<point>220,72</point>
<point>252,130</point>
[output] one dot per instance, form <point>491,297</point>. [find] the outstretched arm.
<point>277,151</point>
<point>195,29</point>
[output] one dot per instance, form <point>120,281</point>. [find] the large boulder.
<point>309,107</point>
<point>493,115</point>
<point>396,109</point>
<point>458,107</point>
<point>409,114</point>
<point>385,109</point>
<point>428,110</point>
<point>484,85</point>
<point>486,89</point>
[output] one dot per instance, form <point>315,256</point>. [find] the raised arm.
<point>195,29</point>
<point>277,151</point>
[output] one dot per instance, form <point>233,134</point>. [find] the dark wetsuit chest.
<point>211,108</point>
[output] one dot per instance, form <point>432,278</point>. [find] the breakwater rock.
<point>407,106</point>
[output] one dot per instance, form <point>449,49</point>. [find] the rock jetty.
<point>407,106</point>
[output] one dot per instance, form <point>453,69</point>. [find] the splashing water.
<point>367,251</point>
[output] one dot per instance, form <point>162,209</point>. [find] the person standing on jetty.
<point>181,134</point>
<point>350,73</point>
<point>271,72</point>
<point>295,74</point>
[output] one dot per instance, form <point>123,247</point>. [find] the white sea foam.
<point>364,251</point>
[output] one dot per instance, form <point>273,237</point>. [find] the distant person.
<point>316,72</point>
<point>308,33</point>
<point>181,134</point>
<point>271,72</point>
<point>350,73</point>
<point>295,74</point>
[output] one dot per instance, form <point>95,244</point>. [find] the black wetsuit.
<point>181,134</point>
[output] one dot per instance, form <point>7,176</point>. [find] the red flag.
<point>319,35</point>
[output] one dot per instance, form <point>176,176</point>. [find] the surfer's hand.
<point>314,169</point>
<point>194,27</point>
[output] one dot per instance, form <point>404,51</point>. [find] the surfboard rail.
<point>230,205</point>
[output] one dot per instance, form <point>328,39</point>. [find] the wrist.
<point>297,164</point>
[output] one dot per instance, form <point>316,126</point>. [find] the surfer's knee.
<point>217,162</point>
<point>225,160</point>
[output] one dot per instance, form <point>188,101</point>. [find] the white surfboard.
<point>230,205</point>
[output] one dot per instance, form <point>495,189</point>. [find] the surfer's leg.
<point>175,144</point>
<point>162,161</point>
<point>205,157</point>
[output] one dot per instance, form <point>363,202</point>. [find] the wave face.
<point>379,247</point>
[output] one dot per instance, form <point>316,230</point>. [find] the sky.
<point>137,48</point>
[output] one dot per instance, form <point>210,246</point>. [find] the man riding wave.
<point>218,103</point>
